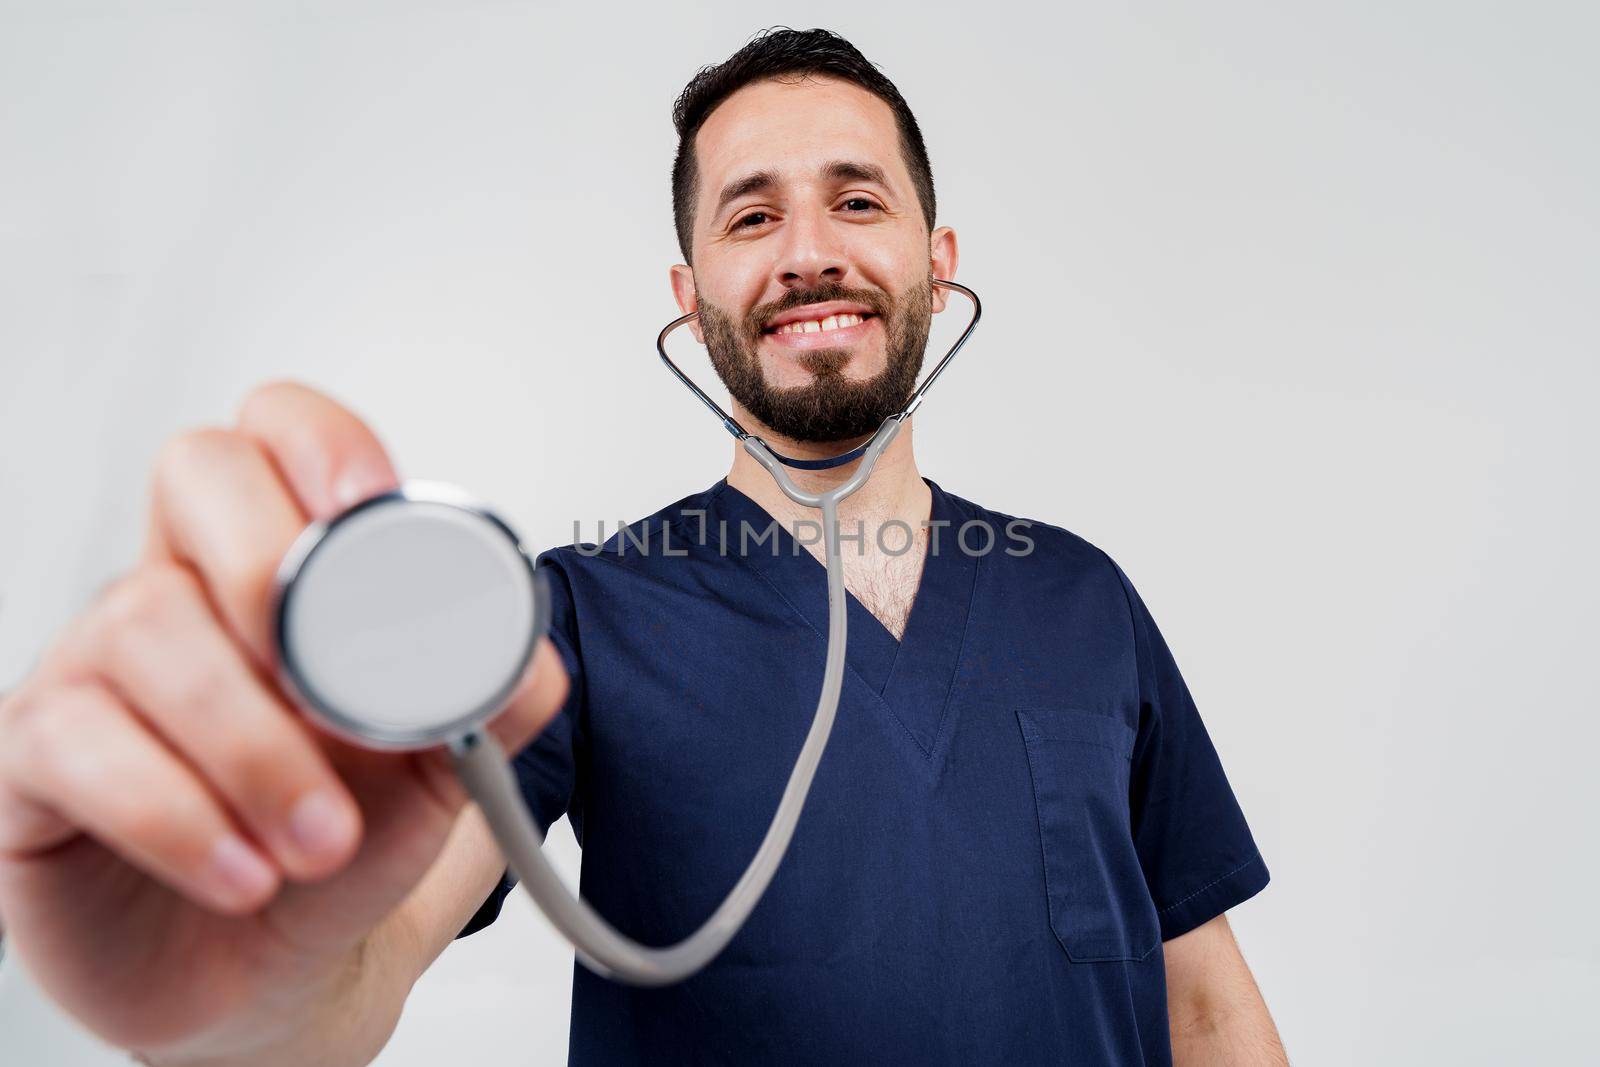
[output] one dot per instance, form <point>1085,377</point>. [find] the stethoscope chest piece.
<point>408,620</point>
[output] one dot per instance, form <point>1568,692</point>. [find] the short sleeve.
<point>1196,850</point>
<point>546,768</point>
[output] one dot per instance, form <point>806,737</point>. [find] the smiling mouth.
<point>826,324</point>
<point>843,331</point>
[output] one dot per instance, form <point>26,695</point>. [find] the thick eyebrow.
<point>760,181</point>
<point>848,171</point>
<point>763,180</point>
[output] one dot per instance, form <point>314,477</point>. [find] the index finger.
<point>231,503</point>
<point>327,456</point>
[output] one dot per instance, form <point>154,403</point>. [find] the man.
<point>1018,807</point>
<point>982,873</point>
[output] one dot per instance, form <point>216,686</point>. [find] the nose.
<point>811,253</point>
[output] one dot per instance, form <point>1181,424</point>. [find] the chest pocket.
<point>1100,907</point>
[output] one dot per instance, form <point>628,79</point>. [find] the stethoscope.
<point>407,621</point>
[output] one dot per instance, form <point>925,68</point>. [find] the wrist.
<point>341,1017</point>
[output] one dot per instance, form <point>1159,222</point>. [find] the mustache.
<point>874,299</point>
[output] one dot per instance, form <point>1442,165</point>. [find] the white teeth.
<point>832,322</point>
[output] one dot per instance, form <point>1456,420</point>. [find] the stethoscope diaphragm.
<point>407,620</point>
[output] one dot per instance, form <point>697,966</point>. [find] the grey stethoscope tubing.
<point>486,773</point>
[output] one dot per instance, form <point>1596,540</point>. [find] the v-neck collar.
<point>912,677</point>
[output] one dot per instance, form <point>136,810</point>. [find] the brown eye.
<point>861,200</point>
<point>742,223</point>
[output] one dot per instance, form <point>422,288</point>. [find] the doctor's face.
<point>812,261</point>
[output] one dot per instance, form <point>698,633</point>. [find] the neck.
<point>894,490</point>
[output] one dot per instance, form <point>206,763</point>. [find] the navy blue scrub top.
<point>1017,805</point>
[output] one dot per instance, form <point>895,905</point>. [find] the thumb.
<point>536,700</point>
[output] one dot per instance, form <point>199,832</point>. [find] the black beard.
<point>831,407</point>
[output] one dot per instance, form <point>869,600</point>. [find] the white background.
<point>1290,308</point>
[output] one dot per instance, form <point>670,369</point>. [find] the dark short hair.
<point>775,53</point>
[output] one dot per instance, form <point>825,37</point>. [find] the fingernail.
<point>321,824</point>
<point>355,484</point>
<point>240,871</point>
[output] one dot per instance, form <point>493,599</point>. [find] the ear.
<point>943,255</point>
<point>683,291</point>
